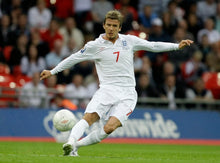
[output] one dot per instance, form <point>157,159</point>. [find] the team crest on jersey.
<point>124,45</point>
<point>83,50</point>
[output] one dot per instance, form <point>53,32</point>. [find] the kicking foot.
<point>74,153</point>
<point>67,149</point>
<point>70,150</point>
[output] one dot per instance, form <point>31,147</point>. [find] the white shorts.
<point>113,101</point>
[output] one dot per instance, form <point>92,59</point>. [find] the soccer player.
<point>116,98</point>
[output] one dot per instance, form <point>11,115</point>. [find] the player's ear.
<point>103,25</point>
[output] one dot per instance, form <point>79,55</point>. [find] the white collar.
<point>104,41</point>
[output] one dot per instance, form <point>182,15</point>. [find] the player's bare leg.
<point>77,131</point>
<point>112,124</point>
<point>100,134</point>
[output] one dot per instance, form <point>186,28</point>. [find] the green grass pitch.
<point>28,152</point>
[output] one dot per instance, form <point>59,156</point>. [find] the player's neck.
<point>110,39</point>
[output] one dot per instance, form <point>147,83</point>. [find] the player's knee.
<point>109,129</point>
<point>91,118</point>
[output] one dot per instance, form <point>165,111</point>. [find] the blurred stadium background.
<point>179,92</point>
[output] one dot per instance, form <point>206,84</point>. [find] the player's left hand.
<point>185,43</point>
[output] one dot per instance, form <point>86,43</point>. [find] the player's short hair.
<point>114,14</point>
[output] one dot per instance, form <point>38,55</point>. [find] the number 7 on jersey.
<point>117,55</point>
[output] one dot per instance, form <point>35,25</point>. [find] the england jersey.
<point>114,61</point>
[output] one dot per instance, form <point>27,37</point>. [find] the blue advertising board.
<point>143,123</point>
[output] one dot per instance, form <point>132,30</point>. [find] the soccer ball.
<point>64,120</point>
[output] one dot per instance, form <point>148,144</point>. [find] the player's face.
<point>112,27</point>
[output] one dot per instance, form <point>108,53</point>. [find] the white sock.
<point>93,138</point>
<point>78,130</point>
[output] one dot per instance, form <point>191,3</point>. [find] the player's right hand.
<point>45,74</point>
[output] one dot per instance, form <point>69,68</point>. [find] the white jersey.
<point>114,62</point>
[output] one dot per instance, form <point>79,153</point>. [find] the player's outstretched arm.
<point>45,74</point>
<point>185,43</point>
